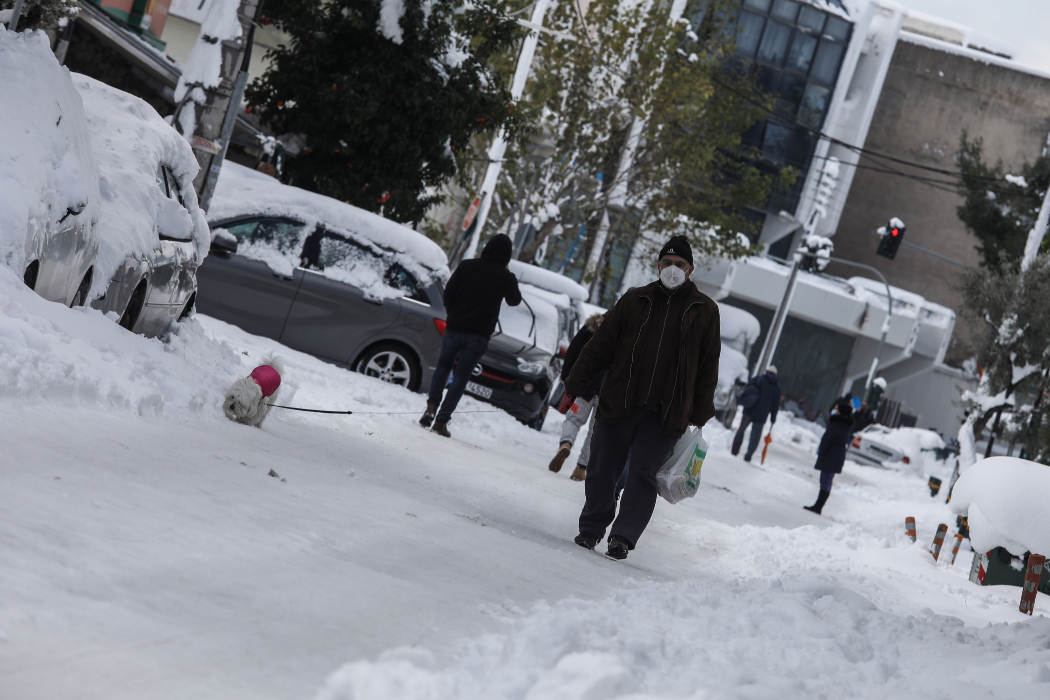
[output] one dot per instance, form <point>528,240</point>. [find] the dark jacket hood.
<point>498,249</point>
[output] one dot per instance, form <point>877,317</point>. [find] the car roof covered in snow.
<point>46,164</point>
<point>548,279</point>
<point>130,141</point>
<point>243,192</point>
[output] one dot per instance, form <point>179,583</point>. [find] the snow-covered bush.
<point>1005,502</point>
<point>41,14</point>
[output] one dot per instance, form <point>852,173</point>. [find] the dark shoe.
<point>428,417</point>
<point>441,428</point>
<point>559,459</point>
<point>822,498</point>
<point>579,473</point>
<point>618,548</point>
<point>586,541</point>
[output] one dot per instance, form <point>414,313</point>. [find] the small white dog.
<point>245,398</point>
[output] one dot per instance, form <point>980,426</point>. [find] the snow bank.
<point>130,142</point>
<point>46,163</point>
<point>547,279</point>
<point>739,329</point>
<point>1005,500</point>
<point>236,195</point>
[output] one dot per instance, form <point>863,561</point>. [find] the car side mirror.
<point>223,242</point>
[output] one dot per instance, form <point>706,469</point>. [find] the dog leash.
<point>376,413</point>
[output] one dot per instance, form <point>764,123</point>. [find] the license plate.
<point>478,390</point>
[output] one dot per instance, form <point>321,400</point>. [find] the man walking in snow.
<point>473,297</point>
<point>765,393</point>
<point>586,402</point>
<point>659,345</point>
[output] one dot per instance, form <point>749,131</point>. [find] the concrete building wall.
<point>933,396</point>
<point>933,92</point>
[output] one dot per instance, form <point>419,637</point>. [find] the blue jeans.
<point>462,351</point>
<point>755,437</point>
<point>825,480</point>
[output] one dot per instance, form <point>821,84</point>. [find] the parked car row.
<point>98,201</point>
<point>98,207</point>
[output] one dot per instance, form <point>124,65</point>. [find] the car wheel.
<point>186,310</point>
<point>31,273</point>
<point>80,298</point>
<point>391,363</point>
<point>134,307</point>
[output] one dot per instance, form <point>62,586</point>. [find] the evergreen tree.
<point>386,95</point>
<point>999,211</point>
<point>43,14</point>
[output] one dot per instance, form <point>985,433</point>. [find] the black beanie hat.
<point>498,248</point>
<point>679,245</point>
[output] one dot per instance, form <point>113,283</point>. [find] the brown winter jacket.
<point>689,399</point>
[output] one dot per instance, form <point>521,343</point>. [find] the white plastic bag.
<point>679,476</point>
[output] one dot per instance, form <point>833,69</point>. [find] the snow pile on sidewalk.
<point>46,163</point>
<point>131,141</point>
<point>1005,500</point>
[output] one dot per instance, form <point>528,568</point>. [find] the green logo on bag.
<point>696,461</point>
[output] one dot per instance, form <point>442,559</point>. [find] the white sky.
<point>1023,23</point>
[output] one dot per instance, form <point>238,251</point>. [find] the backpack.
<point>748,396</point>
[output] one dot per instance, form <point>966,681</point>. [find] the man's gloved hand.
<point>568,402</point>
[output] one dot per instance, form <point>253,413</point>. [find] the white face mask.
<point>672,277</point>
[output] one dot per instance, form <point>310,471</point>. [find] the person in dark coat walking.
<point>586,402</point>
<point>863,417</point>
<point>473,297</point>
<point>831,453</point>
<point>659,346</point>
<point>766,406</point>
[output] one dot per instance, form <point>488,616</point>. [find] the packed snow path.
<point>145,552</point>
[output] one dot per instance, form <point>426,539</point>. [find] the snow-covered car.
<point>882,446</point>
<point>49,182</point>
<point>152,234</point>
<point>566,295</point>
<point>739,331</point>
<point>358,290</point>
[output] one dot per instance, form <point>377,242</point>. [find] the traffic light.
<point>892,237</point>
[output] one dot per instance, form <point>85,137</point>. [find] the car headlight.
<point>533,368</point>
<point>529,387</point>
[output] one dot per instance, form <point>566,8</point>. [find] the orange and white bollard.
<point>909,525</point>
<point>1036,562</point>
<point>938,540</point>
<point>955,548</point>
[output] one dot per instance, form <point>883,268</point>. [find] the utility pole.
<point>205,112</point>
<point>499,144</point>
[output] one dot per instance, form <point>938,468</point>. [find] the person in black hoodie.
<point>586,401</point>
<point>473,297</point>
<point>831,454</point>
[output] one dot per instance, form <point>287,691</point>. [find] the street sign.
<point>471,212</point>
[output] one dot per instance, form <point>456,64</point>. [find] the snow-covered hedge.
<point>130,141</point>
<point>46,162</point>
<point>1005,501</point>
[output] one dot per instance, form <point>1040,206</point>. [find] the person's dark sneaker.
<point>579,473</point>
<point>586,541</point>
<point>428,416</point>
<point>559,459</point>
<point>441,428</point>
<point>618,549</point>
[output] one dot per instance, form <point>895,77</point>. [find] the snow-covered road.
<point>145,552</point>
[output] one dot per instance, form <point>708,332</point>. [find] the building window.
<point>795,51</point>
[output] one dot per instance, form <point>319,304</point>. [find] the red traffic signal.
<point>892,237</point>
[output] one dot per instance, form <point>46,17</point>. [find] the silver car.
<point>867,448</point>
<point>152,233</point>
<point>49,182</point>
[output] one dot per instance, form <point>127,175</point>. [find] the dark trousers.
<point>756,435</point>
<point>825,480</point>
<point>642,436</point>
<point>462,350</point>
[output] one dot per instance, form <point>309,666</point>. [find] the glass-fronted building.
<point>795,50</point>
